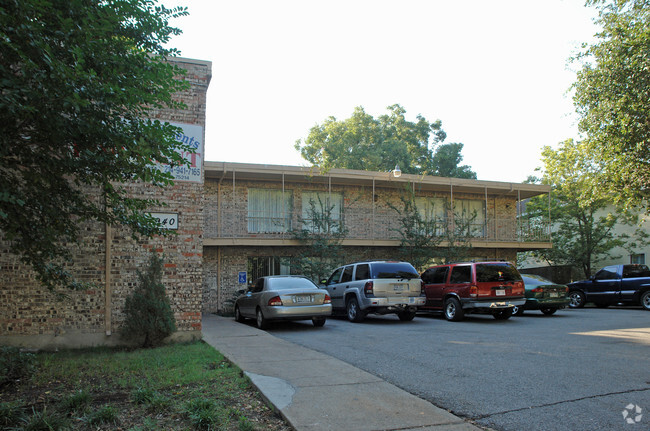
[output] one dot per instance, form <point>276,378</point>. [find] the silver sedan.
<point>283,297</point>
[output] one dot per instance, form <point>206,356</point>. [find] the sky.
<point>496,73</point>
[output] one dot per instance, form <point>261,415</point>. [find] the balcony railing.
<point>364,225</point>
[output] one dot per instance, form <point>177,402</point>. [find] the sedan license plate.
<point>500,292</point>
<point>303,299</point>
<point>398,287</point>
<point>554,294</point>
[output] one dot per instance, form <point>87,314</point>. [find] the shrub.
<point>205,414</point>
<point>15,365</point>
<point>149,318</point>
<point>10,415</point>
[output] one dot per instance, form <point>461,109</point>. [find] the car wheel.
<point>261,321</point>
<point>406,315</point>
<point>645,300</point>
<point>502,314</point>
<point>453,311</point>
<point>238,317</point>
<point>549,311</point>
<point>518,310</point>
<point>318,321</point>
<point>354,312</point>
<point>576,299</point>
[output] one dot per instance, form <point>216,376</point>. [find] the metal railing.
<point>363,225</point>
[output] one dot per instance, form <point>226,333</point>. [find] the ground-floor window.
<point>268,265</point>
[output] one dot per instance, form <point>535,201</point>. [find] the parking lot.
<point>581,369</point>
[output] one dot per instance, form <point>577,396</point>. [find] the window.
<point>461,274</point>
<point>607,273</point>
<point>269,211</point>
<point>433,211</point>
<point>635,271</point>
<point>322,211</point>
<point>347,274</point>
<point>335,277</point>
<point>469,217</point>
<point>638,259</point>
<point>363,272</point>
<point>435,275</point>
<point>500,272</point>
<point>268,265</point>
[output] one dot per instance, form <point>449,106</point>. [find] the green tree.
<point>426,238</point>
<point>583,222</point>
<point>419,239</point>
<point>612,97</point>
<point>322,233</point>
<point>79,81</point>
<point>148,316</point>
<point>363,142</point>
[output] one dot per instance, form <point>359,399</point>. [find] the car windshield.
<point>496,272</point>
<point>393,270</point>
<point>290,283</point>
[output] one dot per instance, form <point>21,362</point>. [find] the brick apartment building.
<point>233,223</point>
<point>30,315</point>
<point>250,210</point>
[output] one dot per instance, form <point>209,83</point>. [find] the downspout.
<point>223,175</point>
<point>107,292</point>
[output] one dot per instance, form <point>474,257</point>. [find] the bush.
<point>149,318</point>
<point>15,365</point>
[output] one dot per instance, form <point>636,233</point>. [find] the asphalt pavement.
<point>313,391</point>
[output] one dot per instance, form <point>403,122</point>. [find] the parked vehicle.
<point>615,284</point>
<point>379,287</point>
<point>283,297</point>
<point>473,287</point>
<point>543,295</point>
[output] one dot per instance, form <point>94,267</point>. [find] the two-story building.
<point>250,211</point>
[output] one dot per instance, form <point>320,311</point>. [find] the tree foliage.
<point>612,97</point>
<point>363,142</point>
<point>583,221</point>
<point>427,239</point>
<point>322,233</point>
<point>148,316</point>
<point>78,83</point>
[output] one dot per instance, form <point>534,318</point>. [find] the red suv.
<point>473,287</point>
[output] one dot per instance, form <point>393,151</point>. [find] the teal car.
<point>543,295</point>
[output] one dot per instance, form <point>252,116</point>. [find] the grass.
<point>175,387</point>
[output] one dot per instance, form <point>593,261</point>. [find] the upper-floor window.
<point>433,212</point>
<point>269,210</point>
<point>469,217</point>
<point>322,211</point>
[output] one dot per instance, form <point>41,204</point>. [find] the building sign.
<point>242,277</point>
<point>191,135</point>
<point>167,220</point>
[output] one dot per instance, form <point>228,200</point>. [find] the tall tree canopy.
<point>583,221</point>
<point>363,142</point>
<point>78,80</point>
<point>612,96</point>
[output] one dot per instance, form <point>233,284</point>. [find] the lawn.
<point>175,387</point>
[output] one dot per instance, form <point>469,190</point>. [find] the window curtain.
<point>433,210</point>
<point>269,211</point>
<point>470,216</point>
<point>322,201</point>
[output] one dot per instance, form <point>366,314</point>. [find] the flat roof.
<point>227,171</point>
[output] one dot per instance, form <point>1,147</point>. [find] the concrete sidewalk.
<point>313,391</point>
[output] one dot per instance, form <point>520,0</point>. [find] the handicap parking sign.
<point>242,277</point>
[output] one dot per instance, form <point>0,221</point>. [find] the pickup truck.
<point>615,284</point>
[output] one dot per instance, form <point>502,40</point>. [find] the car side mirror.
<point>323,281</point>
